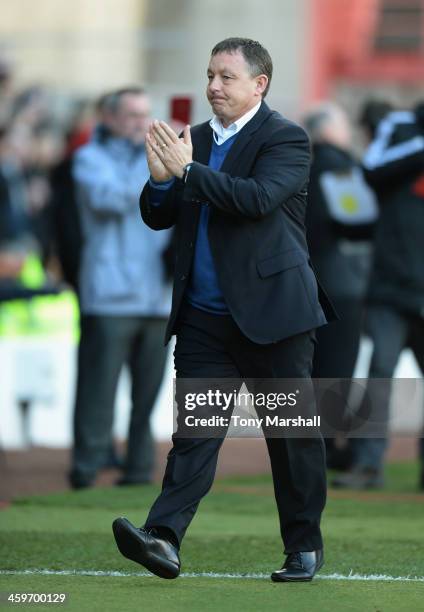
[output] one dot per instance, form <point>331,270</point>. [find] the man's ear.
<point>261,83</point>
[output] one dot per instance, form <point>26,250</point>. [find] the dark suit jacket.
<point>256,227</point>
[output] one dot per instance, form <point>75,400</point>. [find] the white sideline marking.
<point>350,576</point>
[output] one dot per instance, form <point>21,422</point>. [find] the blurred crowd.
<point>69,218</point>
<point>33,146</point>
<point>365,223</point>
<point>69,200</point>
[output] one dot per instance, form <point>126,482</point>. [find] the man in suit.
<point>245,300</point>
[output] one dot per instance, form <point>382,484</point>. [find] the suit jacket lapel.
<point>245,136</point>
<point>202,144</point>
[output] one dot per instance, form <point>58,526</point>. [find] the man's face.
<point>337,129</point>
<point>132,118</point>
<point>231,90</point>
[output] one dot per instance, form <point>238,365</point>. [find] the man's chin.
<point>219,110</point>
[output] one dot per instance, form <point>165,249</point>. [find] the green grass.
<point>235,531</point>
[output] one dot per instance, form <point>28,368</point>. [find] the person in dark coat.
<point>394,167</point>
<point>340,248</point>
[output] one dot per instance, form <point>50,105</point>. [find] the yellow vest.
<point>51,315</point>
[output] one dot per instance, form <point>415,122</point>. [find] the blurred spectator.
<point>81,125</point>
<point>6,90</point>
<point>47,147</point>
<point>340,218</point>
<point>394,166</point>
<point>14,201</point>
<point>19,247</point>
<point>36,144</point>
<point>371,113</point>
<point>30,108</point>
<point>66,225</point>
<point>123,297</point>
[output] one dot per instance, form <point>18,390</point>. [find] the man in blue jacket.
<point>124,298</point>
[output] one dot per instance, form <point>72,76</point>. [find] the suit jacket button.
<point>183,277</point>
<point>191,245</point>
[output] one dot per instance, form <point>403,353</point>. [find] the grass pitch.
<point>234,532</point>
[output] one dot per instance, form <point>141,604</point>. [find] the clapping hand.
<point>166,153</point>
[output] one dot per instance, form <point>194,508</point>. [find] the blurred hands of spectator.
<point>10,264</point>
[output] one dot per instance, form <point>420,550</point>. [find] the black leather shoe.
<point>299,567</point>
<point>145,547</point>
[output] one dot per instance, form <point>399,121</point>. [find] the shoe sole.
<point>276,578</point>
<point>130,547</point>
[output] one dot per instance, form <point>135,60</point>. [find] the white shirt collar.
<point>221,134</point>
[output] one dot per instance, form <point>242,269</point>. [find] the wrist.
<point>163,184</point>
<point>160,179</point>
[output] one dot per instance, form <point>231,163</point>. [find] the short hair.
<point>256,56</point>
<point>315,120</point>
<point>110,101</point>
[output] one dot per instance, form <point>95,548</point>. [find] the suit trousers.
<point>106,344</point>
<point>212,346</point>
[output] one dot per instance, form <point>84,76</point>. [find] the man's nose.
<point>214,84</point>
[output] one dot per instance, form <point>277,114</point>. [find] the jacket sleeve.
<point>280,170</point>
<point>103,189</point>
<point>163,214</point>
<point>387,160</point>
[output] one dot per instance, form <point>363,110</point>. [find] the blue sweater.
<point>203,290</point>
